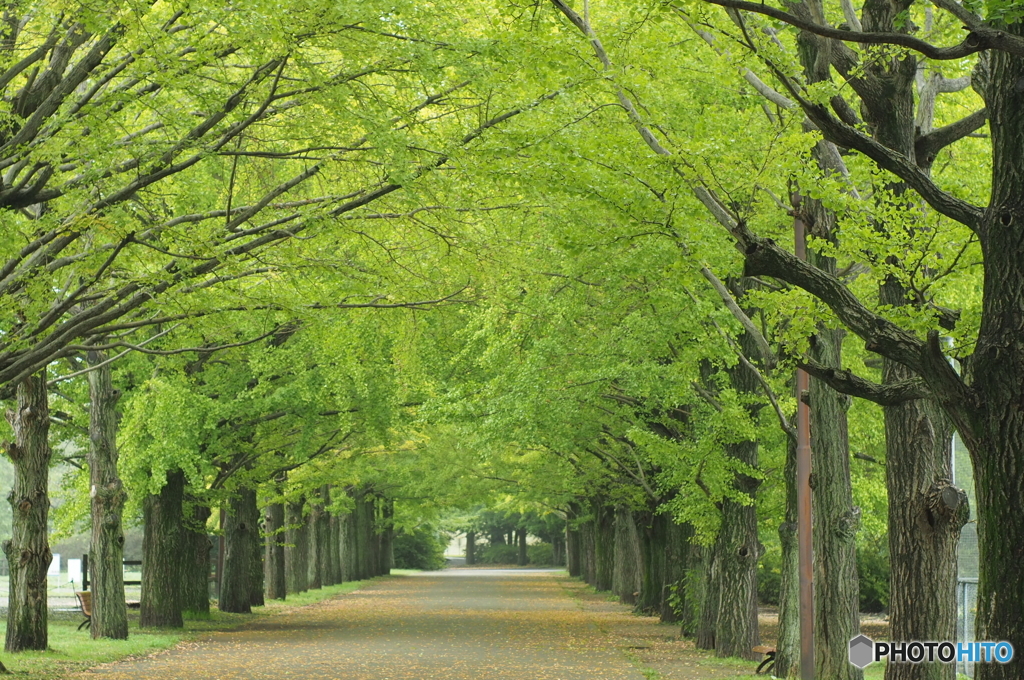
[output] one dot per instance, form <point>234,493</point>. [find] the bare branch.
<point>927,146</point>
<point>109,361</point>
<point>765,349</point>
<point>846,382</point>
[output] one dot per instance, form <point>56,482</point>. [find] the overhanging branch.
<point>981,37</point>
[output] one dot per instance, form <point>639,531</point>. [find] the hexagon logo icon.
<point>862,651</point>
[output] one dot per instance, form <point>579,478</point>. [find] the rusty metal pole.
<point>803,494</point>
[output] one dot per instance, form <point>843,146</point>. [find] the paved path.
<point>466,624</point>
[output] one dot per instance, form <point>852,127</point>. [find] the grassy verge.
<point>72,650</point>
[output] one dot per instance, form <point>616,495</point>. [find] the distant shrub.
<point>542,553</point>
<point>873,573</point>
<point>769,577</point>
<point>419,549</point>
<point>497,554</point>
<point>872,570</point>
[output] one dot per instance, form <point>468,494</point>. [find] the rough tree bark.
<point>737,548</point>
<point>573,541</point>
<point>652,531</point>
<point>787,657</point>
<point>296,551</point>
<point>627,559</point>
<point>604,546</point>
<point>162,555</point>
<point>836,520</point>
<point>351,547</point>
<point>256,581</point>
<point>276,586</point>
<point>323,552</point>
<point>314,542</point>
<point>677,556</point>
<point>588,551</point>
<point>923,530</point>
<point>106,548</point>
<point>196,545</point>
<point>344,529</point>
<point>240,537</point>
<point>337,567</point>
<point>736,554</point>
<point>704,586</point>
<point>386,531</point>
<point>996,441</point>
<point>28,550</point>
<point>369,542</point>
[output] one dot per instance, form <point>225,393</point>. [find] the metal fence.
<point>967,598</point>
<point>967,555</point>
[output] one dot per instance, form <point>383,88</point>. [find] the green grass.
<point>72,650</point>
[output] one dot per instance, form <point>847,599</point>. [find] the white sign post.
<point>75,572</point>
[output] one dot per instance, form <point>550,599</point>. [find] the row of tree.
<point>598,317</point>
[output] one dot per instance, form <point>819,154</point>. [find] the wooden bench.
<point>85,602</point>
<point>768,663</point>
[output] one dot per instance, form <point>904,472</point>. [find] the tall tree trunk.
<point>256,581</point>
<point>836,520</point>
<point>677,556</point>
<point>588,551</point>
<point>324,534</point>
<point>521,558</point>
<point>997,440</point>
<point>276,586</point>
<point>386,531</point>
<point>926,514</point>
<point>705,586</point>
<point>296,551</point>
<point>351,551</point>
<point>604,546</point>
<point>348,548</point>
<point>653,533</point>
<point>196,545</point>
<point>240,534</point>
<point>357,538</point>
<point>314,543</point>
<point>558,550</point>
<point>736,554</point>
<point>28,551</point>
<point>787,656</point>
<point>737,546</point>
<point>626,557</point>
<point>106,549</point>
<point>694,587</point>
<point>162,555</point>
<point>573,541</point>
<point>470,548</point>
<point>923,531</point>
<point>337,566</point>
<point>367,541</point>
